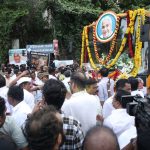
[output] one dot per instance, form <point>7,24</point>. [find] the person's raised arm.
<point>17,78</point>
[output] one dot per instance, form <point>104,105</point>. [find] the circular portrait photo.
<point>105,26</point>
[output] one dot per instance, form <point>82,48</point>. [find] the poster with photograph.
<point>39,59</point>
<point>105,26</point>
<point>17,56</point>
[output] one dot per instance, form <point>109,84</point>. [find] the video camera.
<point>131,103</point>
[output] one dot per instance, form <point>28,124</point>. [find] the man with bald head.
<point>82,106</point>
<point>100,138</point>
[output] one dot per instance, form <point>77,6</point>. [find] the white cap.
<point>125,138</point>
<point>23,79</point>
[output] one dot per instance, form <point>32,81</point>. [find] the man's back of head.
<point>54,92</point>
<point>78,79</point>
<point>123,84</point>
<point>104,72</point>
<point>44,129</point>
<point>134,83</point>
<point>117,100</point>
<point>100,138</point>
<point>2,81</point>
<point>15,95</point>
<point>51,70</point>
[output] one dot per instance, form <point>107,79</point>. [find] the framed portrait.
<point>17,56</point>
<point>105,26</point>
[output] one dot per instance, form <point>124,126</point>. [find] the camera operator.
<point>120,121</point>
<point>142,122</point>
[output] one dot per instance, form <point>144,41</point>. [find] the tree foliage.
<point>23,19</point>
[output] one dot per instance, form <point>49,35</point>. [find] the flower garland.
<point>88,48</point>
<point>112,45</point>
<point>138,44</point>
<point>129,29</point>
<point>82,49</point>
<point>131,53</point>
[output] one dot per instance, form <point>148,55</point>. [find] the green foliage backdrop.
<point>23,19</point>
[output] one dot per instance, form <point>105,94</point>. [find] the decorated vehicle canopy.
<point>105,31</point>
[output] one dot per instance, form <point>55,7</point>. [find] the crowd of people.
<point>69,108</point>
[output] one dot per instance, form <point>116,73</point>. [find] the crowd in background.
<point>71,108</point>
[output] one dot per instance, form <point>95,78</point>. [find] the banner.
<point>45,48</point>
<point>17,56</point>
<point>59,63</point>
<point>39,59</point>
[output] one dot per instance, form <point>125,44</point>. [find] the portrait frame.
<point>106,26</point>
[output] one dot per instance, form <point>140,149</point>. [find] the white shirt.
<point>125,138</point>
<point>83,107</point>
<point>108,107</point>
<point>29,99</point>
<point>119,121</point>
<point>102,88</point>
<point>65,81</point>
<point>3,94</point>
<point>144,90</point>
<point>21,62</point>
<point>52,77</point>
<point>20,112</point>
<point>8,81</point>
<point>134,93</point>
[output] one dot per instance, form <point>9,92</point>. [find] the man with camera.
<point>119,120</point>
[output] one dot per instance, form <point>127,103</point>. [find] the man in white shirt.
<point>105,91</point>
<point>3,93</point>
<point>51,72</point>
<point>9,127</point>
<point>25,83</point>
<point>20,108</point>
<point>141,86</point>
<point>121,84</point>
<point>134,87</point>
<point>119,120</point>
<point>82,106</point>
<point>67,80</point>
<point>92,89</point>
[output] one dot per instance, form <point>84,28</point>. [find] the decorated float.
<point>114,41</point>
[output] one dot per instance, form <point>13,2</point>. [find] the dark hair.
<point>91,81</point>
<point>2,106</point>
<point>54,92</point>
<point>23,84</point>
<point>51,70</point>
<point>67,73</point>
<point>6,143</point>
<point>16,93</point>
<point>42,129</point>
<point>134,83</point>
<point>79,79</point>
<point>8,70</point>
<point>121,93</point>
<point>104,72</point>
<point>120,84</point>
<point>2,81</point>
<point>94,131</point>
